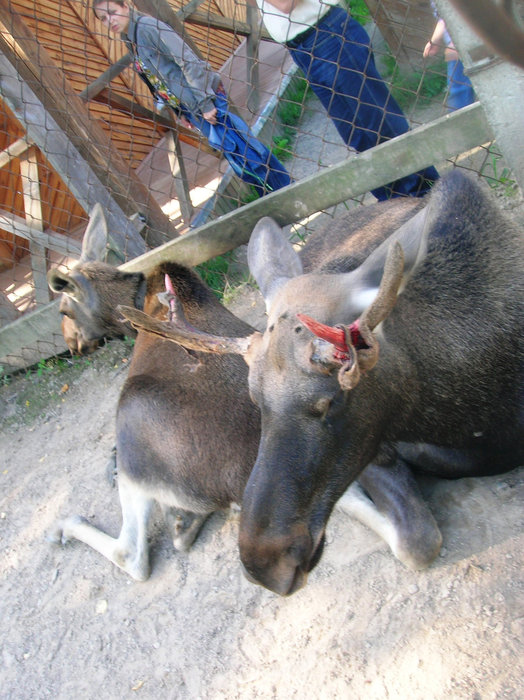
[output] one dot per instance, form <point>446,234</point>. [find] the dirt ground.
<point>364,627</point>
<point>73,625</point>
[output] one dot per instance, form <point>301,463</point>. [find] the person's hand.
<point>210,116</point>
<point>185,122</point>
<point>431,49</point>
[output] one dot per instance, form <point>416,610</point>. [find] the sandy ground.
<point>75,626</point>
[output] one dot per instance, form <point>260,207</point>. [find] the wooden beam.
<point>15,150</point>
<point>33,216</point>
<point>178,170</point>
<point>214,21</point>
<point>31,69</point>
<point>187,9</point>
<point>234,26</point>
<point>252,44</point>
<point>8,311</point>
<point>49,239</point>
<point>103,81</point>
<point>122,104</point>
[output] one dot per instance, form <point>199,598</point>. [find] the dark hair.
<point>96,3</point>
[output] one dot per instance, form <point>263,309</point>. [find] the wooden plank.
<point>30,63</point>
<point>176,163</point>
<point>33,215</point>
<point>252,45</point>
<point>15,150</point>
<point>233,26</point>
<point>187,9</point>
<point>103,80</point>
<point>20,344</point>
<point>53,241</point>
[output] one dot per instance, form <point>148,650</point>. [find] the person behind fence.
<point>178,78</point>
<point>334,53</point>
<point>460,89</point>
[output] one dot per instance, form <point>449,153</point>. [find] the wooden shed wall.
<point>83,49</point>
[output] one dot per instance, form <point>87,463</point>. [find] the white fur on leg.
<point>130,551</point>
<point>355,503</point>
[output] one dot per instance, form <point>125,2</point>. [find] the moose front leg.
<point>387,500</point>
<point>130,551</point>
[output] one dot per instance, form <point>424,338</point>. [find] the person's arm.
<point>436,43</point>
<point>170,46</point>
<point>283,5</point>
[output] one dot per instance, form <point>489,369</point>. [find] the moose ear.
<point>94,244</point>
<point>271,258</point>
<point>73,285</point>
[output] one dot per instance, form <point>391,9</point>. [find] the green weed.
<point>214,272</point>
<point>289,113</point>
<point>359,11</point>
<point>5,376</point>
<point>420,86</point>
<point>498,176</point>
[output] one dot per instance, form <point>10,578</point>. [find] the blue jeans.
<point>251,160</point>
<point>461,91</point>
<point>338,63</point>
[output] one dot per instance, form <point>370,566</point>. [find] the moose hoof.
<point>421,554</point>
<point>186,527</point>
<point>63,531</point>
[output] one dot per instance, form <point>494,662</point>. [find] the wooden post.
<point>176,162</point>
<point>252,42</point>
<point>33,215</point>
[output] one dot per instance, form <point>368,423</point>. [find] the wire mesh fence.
<point>79,126</point>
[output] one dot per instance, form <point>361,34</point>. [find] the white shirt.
<point>306,13</point>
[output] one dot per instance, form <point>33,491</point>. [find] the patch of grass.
<point>420,86</point>
<point>214,272</point>
<point>282,145</point>
<point>359,11</point>
<point>289,113</point>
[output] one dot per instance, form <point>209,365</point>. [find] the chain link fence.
<point>78,126</point>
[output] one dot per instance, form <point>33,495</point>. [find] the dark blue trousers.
<point>251,160</point>
<point>338,63</point>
